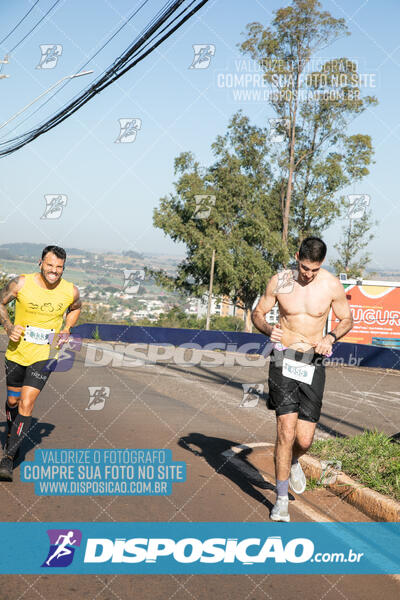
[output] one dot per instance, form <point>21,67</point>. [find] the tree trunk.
<point>249,325</point>
<point>292,124</point>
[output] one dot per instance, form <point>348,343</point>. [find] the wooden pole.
<point>210,290</point>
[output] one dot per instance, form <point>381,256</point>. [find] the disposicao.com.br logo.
<point>201,547</point>
<point>247,551</point>
<point>62,547</point>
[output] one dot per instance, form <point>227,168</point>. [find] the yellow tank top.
<point>38,307</point>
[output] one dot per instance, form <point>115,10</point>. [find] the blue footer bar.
<point>123,548</point>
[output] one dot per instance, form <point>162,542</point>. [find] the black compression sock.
<point>19,430</point>
<point>11,413</point>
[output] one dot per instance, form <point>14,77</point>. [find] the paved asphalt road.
<point>195,411</point>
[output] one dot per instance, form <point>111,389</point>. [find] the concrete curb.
<point>373,504</point>
<point>376,506</point>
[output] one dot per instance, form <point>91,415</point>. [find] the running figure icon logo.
<point>202,55</point>
<point>330,469</point>
<point>251,394</point>
<point>50,55</point>
<point>358,204</point>
<point>128,130</point>
<point>98,397</point>
<point>278,130</point>
<point>132,280</point>
<point>204,203</point>
<point>55,204</point>
<point>285,283</point>
<point>62,547</point>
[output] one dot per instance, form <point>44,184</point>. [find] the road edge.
<point>375,505</point>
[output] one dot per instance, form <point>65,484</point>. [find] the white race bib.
<point>298,370</point>
<point>37,335</point>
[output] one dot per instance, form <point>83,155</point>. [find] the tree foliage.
<point>356,237</point>
<point>270,195</point>
<point>315,101</point>
<point>243,224</point>
<point>177,318</point>
<point>94,314</point>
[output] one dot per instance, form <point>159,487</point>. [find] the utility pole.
<point>210,290</point>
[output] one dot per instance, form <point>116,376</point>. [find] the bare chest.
<point>313,301</point>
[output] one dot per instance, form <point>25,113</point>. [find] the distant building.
<point>221,306</point>
<point>225,308</point>
<point>139,314</point>
<point>228,309</point>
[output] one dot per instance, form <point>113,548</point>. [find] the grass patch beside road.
<point>370,458</point>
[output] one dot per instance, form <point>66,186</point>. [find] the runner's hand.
<point>63,337</point>
<point>15,333</point>
<point>276,333</point>
<point>324,346</point>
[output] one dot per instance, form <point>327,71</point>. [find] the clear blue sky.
<point>113,188</point>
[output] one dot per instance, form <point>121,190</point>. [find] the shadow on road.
<point>238,470</point>
<point>37,431</point>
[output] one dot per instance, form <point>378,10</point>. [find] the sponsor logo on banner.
<point>376,314</point>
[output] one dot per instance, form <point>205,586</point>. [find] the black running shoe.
<point>5,450</point>
<point>6,468</point>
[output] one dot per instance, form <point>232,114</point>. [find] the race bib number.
<point>298,370</point>
<point>37,335</point>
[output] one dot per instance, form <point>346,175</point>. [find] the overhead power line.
<point>19,22</point>
<point>131,57</point>
<point>126,21</point>
<point>34,27</point>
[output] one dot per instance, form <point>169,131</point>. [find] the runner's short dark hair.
<point>59,252</point>
<point>313,249</point>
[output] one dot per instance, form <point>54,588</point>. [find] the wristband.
<point>333,335</point>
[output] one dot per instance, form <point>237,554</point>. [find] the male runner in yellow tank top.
<point>42,299</point>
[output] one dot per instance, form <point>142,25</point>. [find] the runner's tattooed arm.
<point>8,293</point>
<point>73,311</point>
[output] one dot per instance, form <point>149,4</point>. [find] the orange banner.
<point>376,313</point>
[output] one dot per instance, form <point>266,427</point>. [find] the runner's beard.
<point>50,280</point>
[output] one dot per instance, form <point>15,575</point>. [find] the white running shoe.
<point>280,511</point>
<point>297,479</point>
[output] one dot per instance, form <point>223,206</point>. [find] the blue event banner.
<point>204,548</point>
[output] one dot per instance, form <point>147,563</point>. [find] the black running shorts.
<point>291,396</point>
<point>34,375</point>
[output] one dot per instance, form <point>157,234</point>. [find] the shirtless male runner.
<point>41,301</point>
<point>297,372</point>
